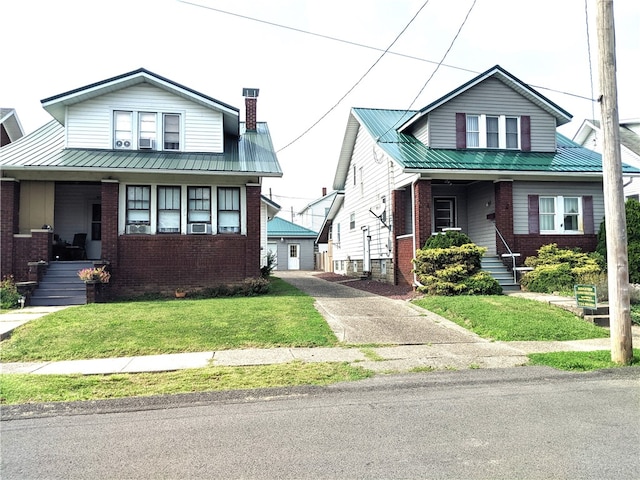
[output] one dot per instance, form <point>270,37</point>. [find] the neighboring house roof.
<point>629,138</point>
<point>272,207</point>
<point>323,234</point>
<point>11,124</point>
<point>327,197</point>
<point>561,115</point>
<point>279,227</point>
<point>412,155</point>
<point>44,149</point>
<point>57,104</point>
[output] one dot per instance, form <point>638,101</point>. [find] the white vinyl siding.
<point>521,191</point>
<point>90,123</point>
<point>491,97</point>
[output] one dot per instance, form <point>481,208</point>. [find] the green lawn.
<point>284,318</point>
<point>580,361</point>
<point>508,318</point>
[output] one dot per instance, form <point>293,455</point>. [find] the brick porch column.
<point>252,259</point>
<point>504,214</point>
<point>422,211</point>
<point>10,205</point>
<point>109,194</point>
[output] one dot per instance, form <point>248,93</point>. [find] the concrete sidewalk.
<point>414,338</point>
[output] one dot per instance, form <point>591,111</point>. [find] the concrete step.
<point>58,300</point>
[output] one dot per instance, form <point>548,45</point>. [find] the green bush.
<point>454,270</point>
<point>451,238</point>
<point>632,215</point>
<point>265,271</point>
<point>558,270</point>
<point>248,288</point>
<point>9,295</point>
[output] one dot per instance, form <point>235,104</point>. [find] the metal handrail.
<point>513,258</point>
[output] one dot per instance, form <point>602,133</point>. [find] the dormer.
<point>143,111</point>
<point>493,111</point>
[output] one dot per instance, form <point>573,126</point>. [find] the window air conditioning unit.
<point>146,143</point>
<point>123,144</point>
<point>229,229</point>
<point>139,229</point>
<point>199,228</point>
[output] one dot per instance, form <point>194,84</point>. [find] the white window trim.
<point>559,216</point>
<point>502,131</point>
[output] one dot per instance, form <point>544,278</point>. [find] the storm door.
<point>444,209</point>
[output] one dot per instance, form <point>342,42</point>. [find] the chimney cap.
<point>250,92</point>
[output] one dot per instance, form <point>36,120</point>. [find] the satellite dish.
<point>378,209</point>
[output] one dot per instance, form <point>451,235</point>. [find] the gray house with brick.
<point>158,181</point>
<point>485,159</point>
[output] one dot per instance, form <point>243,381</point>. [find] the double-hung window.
<point>168,209</point>
<point>489,131</point>
<point>146,130</point>
<point>560,214</point>
<point>199,210</point>
<point>138,205</point>
<point>228,210</point>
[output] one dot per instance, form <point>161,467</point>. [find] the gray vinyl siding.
<point>89,124</point>
<point>522,190</point>
<point>479,228</point>
<point>491,97</point>
<point>306,252</point>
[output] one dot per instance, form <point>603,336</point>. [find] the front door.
<point>444,213</point>
<point>294,257</point>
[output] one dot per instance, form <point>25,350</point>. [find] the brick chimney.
<point>324,191</point>
<point>250,102</point>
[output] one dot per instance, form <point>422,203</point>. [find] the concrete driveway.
<point>360,317</point>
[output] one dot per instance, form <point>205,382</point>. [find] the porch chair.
<point>78,249</point>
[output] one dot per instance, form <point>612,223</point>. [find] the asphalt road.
<point>525,423</point>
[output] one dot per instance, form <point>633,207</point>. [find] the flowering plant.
<point>95,274</point>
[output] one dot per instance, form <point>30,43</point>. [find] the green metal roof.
<point>279,227</point>
<point>412,154</point>
<point>252,153</point>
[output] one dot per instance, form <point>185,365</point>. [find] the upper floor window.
<point>228,210</point>
<point>352,221</point>
<point>493,132</point>
<point>140,130</point>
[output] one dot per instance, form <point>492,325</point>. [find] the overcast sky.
<point>51,47</point>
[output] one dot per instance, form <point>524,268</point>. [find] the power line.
<point>436,69</point>
<point>322,117</point>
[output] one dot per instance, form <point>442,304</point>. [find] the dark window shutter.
<point>461,130</point>
<point>587,215</point>
<point>525,132</point>
<point>534,212</point>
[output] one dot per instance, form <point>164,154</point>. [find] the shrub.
<point>557,269</point>
<point>451,238</point>
<point>248,288</point>
<point>95,274</point>
<point>9,295</point>
<point>454,270</point>
<point>632,215</point>
<point>265,271</point>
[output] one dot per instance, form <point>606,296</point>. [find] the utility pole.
<point>615,222</point>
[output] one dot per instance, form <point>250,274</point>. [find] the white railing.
<point>510,254</point>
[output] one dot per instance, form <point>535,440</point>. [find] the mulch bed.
<point>398,292</point>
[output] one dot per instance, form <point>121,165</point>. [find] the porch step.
<point>493,266</point>
<point>61,285</point>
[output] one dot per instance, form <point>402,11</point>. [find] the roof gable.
<point>56,105</point>
<point>497,72</point>
<point>11,124</point>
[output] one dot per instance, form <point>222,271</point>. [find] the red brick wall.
<point>504,215</point>
<point>404,264</point>
<point>9,199</point>
<point>27,249</point>
<point>422,212</point>
<point>109,237</point>
<point>251,261</point>
<point>528,245</point>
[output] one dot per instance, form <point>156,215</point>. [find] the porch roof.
<point>44,149</point>
<point>413,155</point>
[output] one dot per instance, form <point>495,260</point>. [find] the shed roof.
<point>279,227</point>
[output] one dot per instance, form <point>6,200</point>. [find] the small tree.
<point>632,214</point>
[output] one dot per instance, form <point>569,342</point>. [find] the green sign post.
<point>586,296</point>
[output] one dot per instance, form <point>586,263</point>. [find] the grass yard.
<point>506,318</point>
<point>285,317</point>
<point>579,361</point>
<point>27,388</point>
